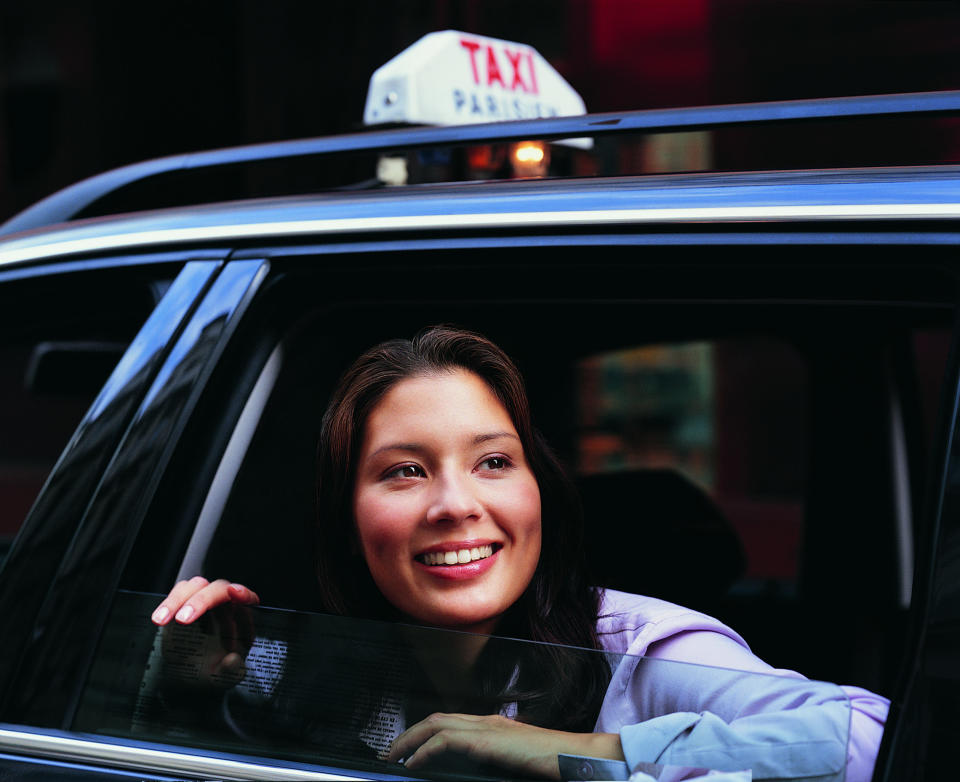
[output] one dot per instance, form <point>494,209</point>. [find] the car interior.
<point>770,473</point>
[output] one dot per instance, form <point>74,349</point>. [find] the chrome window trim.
<point>165,761</point>
<point>229,467</point>
<point>556,218</point>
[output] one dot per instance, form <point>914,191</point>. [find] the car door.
<point>82,342</point>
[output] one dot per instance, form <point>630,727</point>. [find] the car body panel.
<point>110,521</point>
<point>50,527</point>
<point>929,193</point>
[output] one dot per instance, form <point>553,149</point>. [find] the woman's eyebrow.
<point>482,438</point>
<point>416,447</point>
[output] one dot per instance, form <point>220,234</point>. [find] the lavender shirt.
<point>712,714</point>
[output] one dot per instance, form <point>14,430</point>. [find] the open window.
<point>763,424</point>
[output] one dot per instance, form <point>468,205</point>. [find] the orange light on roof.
<point>529,159</point>
<point>528,152</point>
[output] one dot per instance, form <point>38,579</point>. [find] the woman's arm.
<point>781,707</point>
<point>777,728</point>
<point>669,712</point>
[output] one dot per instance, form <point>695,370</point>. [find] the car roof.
<point>914,193</point>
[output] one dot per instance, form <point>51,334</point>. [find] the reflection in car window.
<point>60,338</point>
<point>336,691</point>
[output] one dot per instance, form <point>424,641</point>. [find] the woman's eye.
<point>495,463</point>
<point>405,471</point>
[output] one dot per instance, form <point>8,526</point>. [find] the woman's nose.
<point>453,500</point>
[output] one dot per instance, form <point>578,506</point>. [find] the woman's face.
<point>447,509</point>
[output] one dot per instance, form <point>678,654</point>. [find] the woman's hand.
<point>189,600</point>
<point>498,741</point>
<point>214,652</point>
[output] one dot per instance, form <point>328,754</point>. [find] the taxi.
<point>752,375</point>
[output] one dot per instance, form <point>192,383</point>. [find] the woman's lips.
<point>459,561</point>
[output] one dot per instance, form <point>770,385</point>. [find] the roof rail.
<point>71,201</point>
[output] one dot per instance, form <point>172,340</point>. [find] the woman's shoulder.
<point>629,623</point>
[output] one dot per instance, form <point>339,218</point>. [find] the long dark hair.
<point>553,686</point>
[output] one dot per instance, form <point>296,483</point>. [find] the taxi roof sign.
<point>455,78</point>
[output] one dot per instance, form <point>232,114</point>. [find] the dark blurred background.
<point>87,86</point>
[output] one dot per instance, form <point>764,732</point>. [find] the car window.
<point>750,423</point>
<point>751,440</point>
<point>335,692</point>
<point>60,337</point>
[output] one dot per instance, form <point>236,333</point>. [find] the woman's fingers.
<point>437,730</point>
<point>492,741</point>
<point>173,602</point>
<point>189,600</point>
<point>242,595</point>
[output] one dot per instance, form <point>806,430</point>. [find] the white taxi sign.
<point>453,78</point>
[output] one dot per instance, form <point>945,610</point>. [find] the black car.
<point>752,375</point>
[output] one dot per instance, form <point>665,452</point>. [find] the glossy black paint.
<point>85,577</point>
<point>45,535</point>
<point>52,672</point>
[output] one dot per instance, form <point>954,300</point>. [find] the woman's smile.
<point>446,507</point>
<point>458,552</point>
<point>460,563</point>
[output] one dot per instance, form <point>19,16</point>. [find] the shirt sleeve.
<point>740,713</point>
<point>804,743</point>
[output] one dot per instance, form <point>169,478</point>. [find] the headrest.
<point>657,533</point>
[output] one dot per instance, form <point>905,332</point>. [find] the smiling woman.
<point>442,474</point>
<point>440,505</point>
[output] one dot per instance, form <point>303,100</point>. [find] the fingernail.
<point>238,587</point>
<point>184,614</point>
<point>161,615</point>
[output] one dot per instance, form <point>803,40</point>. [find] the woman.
<point>440,505</point>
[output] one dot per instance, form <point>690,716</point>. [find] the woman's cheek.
<point>383,521</point>
<point>525,508</point>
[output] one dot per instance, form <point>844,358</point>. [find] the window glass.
<point>336,691</point>
<point>729,415</point>
<point>35,427</point>
<point>60,337</point>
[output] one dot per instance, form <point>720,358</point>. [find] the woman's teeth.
<point>460,557</point>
